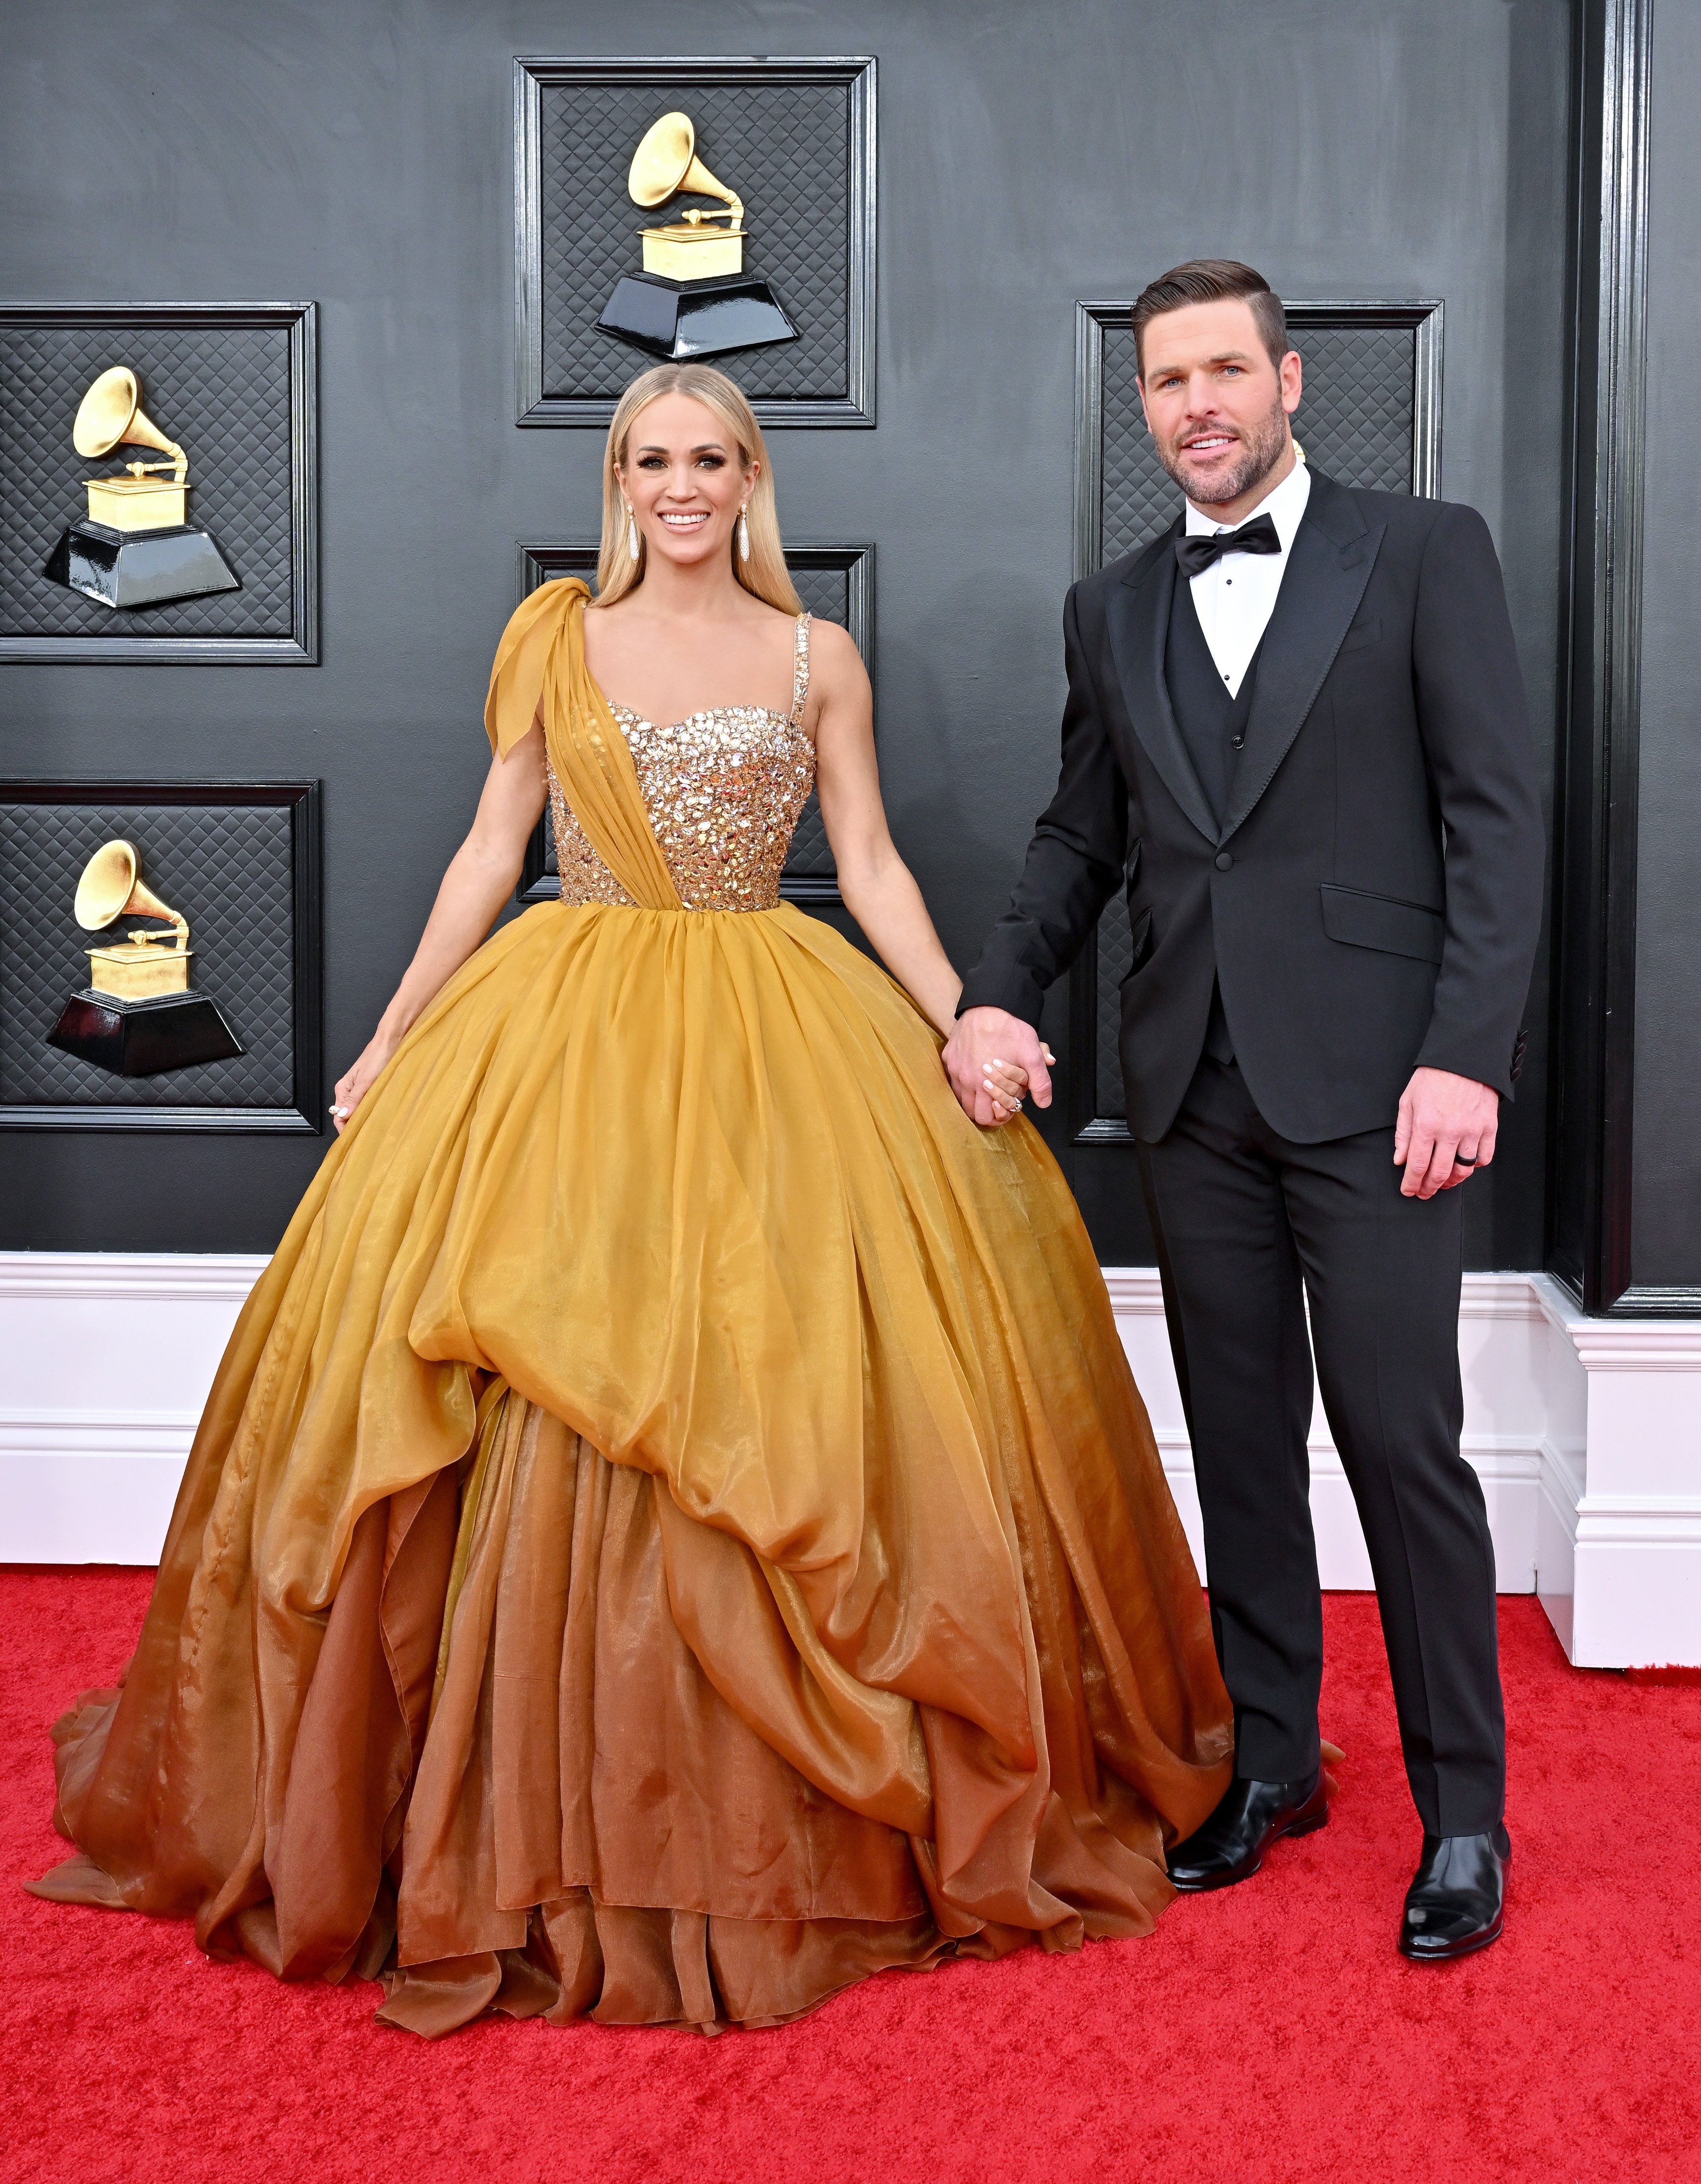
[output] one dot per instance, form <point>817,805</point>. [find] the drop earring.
<point>630,532</point>
<point>745,532</point>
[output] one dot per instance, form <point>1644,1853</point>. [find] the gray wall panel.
<point>1028,158</point>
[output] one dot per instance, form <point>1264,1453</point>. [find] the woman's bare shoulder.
<point>833,659</point>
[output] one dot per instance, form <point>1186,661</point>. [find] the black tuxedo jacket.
<point>1371,899</point>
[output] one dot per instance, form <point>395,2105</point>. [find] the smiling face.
<point>1217,406</point>
<point>684,480</point>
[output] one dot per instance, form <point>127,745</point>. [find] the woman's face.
<point>684,480</point>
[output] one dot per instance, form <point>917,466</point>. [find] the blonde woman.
<point>674,1531</point>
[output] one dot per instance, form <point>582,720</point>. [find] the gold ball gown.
<point>674,1531</point>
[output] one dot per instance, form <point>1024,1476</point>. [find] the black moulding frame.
<point>532,71</point>
<point>1424,318</point>
<point>302,800</point>
<point>300,649</point>
<point>542,563</point>
<point>1592,1084</point>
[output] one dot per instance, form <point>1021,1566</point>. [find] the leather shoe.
<point>1230,1846</point>
<point>1457,1903</point>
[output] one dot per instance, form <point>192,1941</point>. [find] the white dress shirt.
<point>1235,597</point>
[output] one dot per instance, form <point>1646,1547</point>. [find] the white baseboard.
<point>1585,1433</point>
<point>128,1343</point>
<point>1618,1517</point>
<point>88,1486</point>
<point>1505,1419</point>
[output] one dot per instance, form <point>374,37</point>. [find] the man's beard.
<point>1261,453</point>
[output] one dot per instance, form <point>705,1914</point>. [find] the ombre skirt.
<point>674,1531</point>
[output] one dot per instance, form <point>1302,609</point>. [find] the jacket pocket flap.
<point>1384,922</point>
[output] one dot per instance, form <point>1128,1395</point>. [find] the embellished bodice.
<point>723,789</point>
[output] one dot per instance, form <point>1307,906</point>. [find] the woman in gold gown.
<point>674,1530</point>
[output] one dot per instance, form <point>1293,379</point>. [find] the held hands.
<point>992,1058</point>
<point>351,1087</point>
<point>1445,1133</point>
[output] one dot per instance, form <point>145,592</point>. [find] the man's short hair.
<point>1211,281</point>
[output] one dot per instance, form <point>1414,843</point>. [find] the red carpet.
<point>1268,2035</point>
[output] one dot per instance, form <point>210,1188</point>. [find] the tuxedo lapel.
<point>1137,615</point>
<point>1334,552</point>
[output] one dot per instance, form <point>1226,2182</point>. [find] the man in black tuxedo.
<point>1295,734</point>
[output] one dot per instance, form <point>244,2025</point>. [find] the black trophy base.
<point>143,1038</point>
<point>683,319</point>
<point>139,568</point>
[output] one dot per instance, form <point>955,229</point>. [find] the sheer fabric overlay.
<point>674,1531</point>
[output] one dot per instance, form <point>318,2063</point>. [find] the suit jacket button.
<point>1224,861</point>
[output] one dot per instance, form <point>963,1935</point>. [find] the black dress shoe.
<point>1231,1844</point>
<point>1458,1902</point>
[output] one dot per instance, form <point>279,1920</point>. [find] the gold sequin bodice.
<point>723,789</point>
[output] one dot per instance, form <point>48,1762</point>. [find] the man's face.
<point>1217,407</point>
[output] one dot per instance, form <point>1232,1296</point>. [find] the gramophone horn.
<point>111,413</point>
<point>665,163</point>
<point>111,890</point>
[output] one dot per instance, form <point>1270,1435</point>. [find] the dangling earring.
<point>630,532</point>
<point>745,532</point>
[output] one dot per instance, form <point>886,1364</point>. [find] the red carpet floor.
<point>1267,2036</point>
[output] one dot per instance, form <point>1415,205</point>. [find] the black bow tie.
<point>1197,552</point>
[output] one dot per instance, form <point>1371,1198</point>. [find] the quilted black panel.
<point>825,592</point>
<point>1355,415</point>
<point>1116,954</point>
<point>223,394</point>
<point>228,868</point>
<point>1354,422</point>
<point>1139,498</point>
<point>785,148</point>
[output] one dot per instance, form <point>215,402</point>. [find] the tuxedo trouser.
<point>1249,1226</point>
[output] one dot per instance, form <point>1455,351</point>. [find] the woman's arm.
<point>874,879</point>
<point>481,876</point>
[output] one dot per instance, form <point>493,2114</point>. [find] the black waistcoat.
<point>1212,724</point>
<point>1213,727</point>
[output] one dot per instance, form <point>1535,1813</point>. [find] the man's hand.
<point>1445,1133</point>
<point>986,1058</point>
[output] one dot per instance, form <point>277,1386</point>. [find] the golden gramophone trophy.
<point>691,298</point>
<point>138,1015</point>
<point>136,546</point>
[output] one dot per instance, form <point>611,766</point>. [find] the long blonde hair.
<point>618,571</point>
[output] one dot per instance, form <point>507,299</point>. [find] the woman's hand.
<point>1006,1086</point>
<point>352,1086</point>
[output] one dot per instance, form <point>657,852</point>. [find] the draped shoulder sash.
<point>542,654</point>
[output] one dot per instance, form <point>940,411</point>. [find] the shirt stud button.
<point>1224,861</point>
